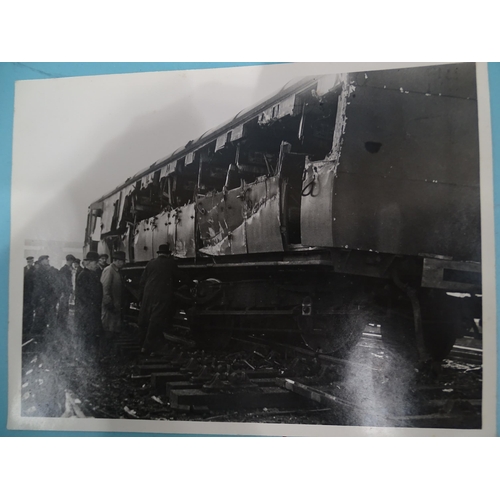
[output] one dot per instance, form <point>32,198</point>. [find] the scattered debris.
<point>133,413</point>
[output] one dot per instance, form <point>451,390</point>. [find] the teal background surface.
<point>10,72</point>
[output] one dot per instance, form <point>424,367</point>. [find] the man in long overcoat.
<point>112,287</point>
<point>29,283</point>
<point>157,304</point>
<point>88,300</point>
<point>46,292</point>
<point>65,276</point>
<point>30,264</point>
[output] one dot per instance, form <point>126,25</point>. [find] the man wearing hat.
<point>65,275</point>
<point>76,269</point>
<point>157,292</point>
<point>111,316</point>
<point>30,263</point>
<point>88,300</point>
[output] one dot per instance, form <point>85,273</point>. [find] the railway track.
<point>264,381</point>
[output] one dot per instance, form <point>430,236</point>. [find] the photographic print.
<point>288,249</point>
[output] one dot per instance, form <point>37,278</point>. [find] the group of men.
<point>98,304</point>
<point>49,293</point>
<point>97,292</point>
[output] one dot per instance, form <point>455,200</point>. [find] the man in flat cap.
<point>46,292</point>
<point>88,300</point>
<point>157,299</point>
<point>65,275</point>
<point>30,264</point>
<point>111,316</point>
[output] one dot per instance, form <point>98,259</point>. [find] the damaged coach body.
<point>341,200</point>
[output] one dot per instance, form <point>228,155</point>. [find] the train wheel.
<point>441,325</point>
<point>441,321</point>
<point>332,333</point>
<point>398,332</point>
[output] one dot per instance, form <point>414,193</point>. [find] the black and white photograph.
<point>282,249</point>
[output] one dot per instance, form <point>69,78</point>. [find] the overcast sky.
<point>76,139</point>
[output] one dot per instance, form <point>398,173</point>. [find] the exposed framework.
<point>251,146</point>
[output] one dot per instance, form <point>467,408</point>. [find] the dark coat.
<point>29,285</point>
<point>88,300</point>
<point>66,275</point>
<point>79,269</point>
<point>66,282</point>
<point>29,282</point>
<point>46,286</point>
<point>112,287</point>
<point>45,296</point>
<point>100,270</point>
<point>157,289</point>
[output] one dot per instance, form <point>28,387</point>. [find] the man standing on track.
<point>46,292</point>
<point>65,275</point>
<point>29,282</point>
<point>112,286</point>
<point>157,297</point>
<point>88,300</point>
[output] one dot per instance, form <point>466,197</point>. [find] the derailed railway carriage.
<point>341,200</point>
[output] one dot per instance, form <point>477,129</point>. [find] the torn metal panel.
<point>317,204</point>
<point>278,110</point>
<point>242,220</point>
<point>102,247</point>
<point>171,228</point>
<point>114,243</point>
<point>327,83</point>
<point>238,240</point>
<point>237,132</point>
<point>220,142</point>
<point>160,233</point>
<point>167,169</point>
<point>143,241</point>
<point>96,230</point>
<point>341,120</point>
<point>189,158</point>
<point>262,216</point>
<point>127,191</point>
<point>233,213</point>
<point>147,180</point>
<point>185,223</point>
<point>125,243</point>
<point>221,223</point>
<point>211,231</point>
<point>233,135</point>
<point>109,211</point>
